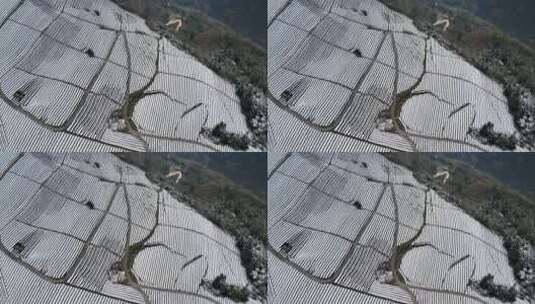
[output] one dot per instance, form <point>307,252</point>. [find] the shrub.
<point>500,292</point>
<point>221,136</point>
<point>220,287</point>
<point>503,141</point>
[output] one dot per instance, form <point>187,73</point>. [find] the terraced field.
<point>357,228</point>
<point>77,228</point>
<point>353,75</point>
<point>85,75</point>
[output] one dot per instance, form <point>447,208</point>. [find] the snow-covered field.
<point>336,225</point>
<point>336,66</point>
<point>66,221</point>
<point>67,66</point>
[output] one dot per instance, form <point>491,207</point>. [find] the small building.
<point>286,248</point>
<point>286,96</point>
<point>19,95</point>
<point>18,248</point>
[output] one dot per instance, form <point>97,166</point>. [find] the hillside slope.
<point>89,76</point>
<point>84,228</point>
<point>358,228</point>
<point>222,48</point>
<point>359,76</point>
<point>231,206</point>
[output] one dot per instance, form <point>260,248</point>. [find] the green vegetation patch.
<point>221,136</point>
<point>488,136</point>
<point>488,288</point>
<point>221,288</point>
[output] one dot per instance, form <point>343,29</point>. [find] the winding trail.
<point>132,250</point>
<point>401,250</point>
